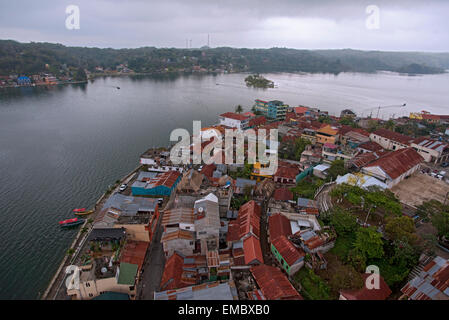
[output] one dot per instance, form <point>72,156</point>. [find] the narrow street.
<point>153,267</point>
<point>265,245</point>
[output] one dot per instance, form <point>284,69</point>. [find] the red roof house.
<point>274,284</point>
<point>279,225</point>
<point>382,293</point>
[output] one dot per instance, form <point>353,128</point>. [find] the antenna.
<point>208,40</point>
<point>190,43</point>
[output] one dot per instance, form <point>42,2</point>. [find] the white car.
<point>123,187</point>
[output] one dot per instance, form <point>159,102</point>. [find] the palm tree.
<point>239,109</point>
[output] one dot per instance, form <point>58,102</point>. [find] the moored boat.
<point>84,213</point>
<point>79,210</point>
<point>71,222</point>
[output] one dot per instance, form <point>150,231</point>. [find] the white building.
<point>431,150</point>
<point>234,120</point>
<point>390,140</point>
<point>395,166</point>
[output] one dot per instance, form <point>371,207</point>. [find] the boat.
<point>71,222</point>
<point>84,213</point>
<point>79,210</point>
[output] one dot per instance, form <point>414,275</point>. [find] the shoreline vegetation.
<point>258,81</point>
<point>70,63</point>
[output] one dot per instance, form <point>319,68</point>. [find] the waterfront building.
<point>274,110</point>
<point>234,120</point>
<point>155,184</point>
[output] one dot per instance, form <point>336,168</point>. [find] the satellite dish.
<point>104,270</point>
<point>200,209</point>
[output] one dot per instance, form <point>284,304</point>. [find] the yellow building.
<point>327,134</point>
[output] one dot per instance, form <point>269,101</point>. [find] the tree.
<point>343,221</point>
<point>356,259</point>
<point>80,75</point>
<point>404,254</point>
<point>239,109</point>
<point>369,243</point>
<point>336,169</point>
<point>389,125</point>
<point>300,146</point>
<point>401,228</point>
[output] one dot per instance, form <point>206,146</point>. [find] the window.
<point>91,295</point>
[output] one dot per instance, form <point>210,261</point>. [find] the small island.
<point>258,81</point>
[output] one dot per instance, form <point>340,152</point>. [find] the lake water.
<point>60,147</point>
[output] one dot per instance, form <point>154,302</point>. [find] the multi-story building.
<point>234,120</point>
<point>273,110</point>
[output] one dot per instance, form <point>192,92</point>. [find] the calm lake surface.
<point>60,147</point>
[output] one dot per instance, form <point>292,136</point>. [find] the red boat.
<point>79,210</point>
<point>71,222</point>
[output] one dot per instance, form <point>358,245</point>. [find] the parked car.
<point>123,187</point>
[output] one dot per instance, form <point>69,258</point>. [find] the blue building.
<point>23,81</point>
<point>155,184</point>
<point>273,110</point>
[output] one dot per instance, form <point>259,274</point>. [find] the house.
<point>241,184</point>
<point>307,205</point>
<point>354,137</point>
<point>431,284</point>
<point>313,241</point>
<point>332,152</point>
<point>134,252</point>
<point>273,284</point>
<point>289,257</point>
<point>369,146</point>
<point>205,291</point>
<point>327,134</point>
<point>249,220</point>
<point>179,240</point>
<point>283,194</point>
<point>178,218</point>
<point>138,216</point>
<point>234,120</point>
<point>252,251</point>
<point>23,81</point>
<point>278,225</point>
<point>155,184</point>
<point>286,173</point>
<point>347,113</point>
<point>207,223</point>
<point>321,170</point>
<point>390,140</point>
<point>431,150</point>
<point>182,271</point>
<point>191,181</point>
<point>395,166</point>
<point>382,293</point>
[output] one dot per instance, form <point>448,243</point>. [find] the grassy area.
<point>343,245</point>
<point>306,188</point>
<point>313,287</point>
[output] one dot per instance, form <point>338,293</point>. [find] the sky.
<point>389,25</point>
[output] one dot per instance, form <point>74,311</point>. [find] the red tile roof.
<point>391,135</point>
<point>252,251</point>
<point>171,278</point>
<point>301,110</point>
<point>274,284</point>
<point>257,121</point>
<point>134,252</point>
<point>398,162</point>
<point>279,225</point>
<point>208,170</point>
<point>287,172</point>
<point>233,231</point>
<point>283,194</point>
<point>287,250</point>
<point>370,146</point>
<point>249,219</point>
<point>368,294</point>
<point>235,116</point>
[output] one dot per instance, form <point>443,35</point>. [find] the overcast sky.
<point>408,25</point>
